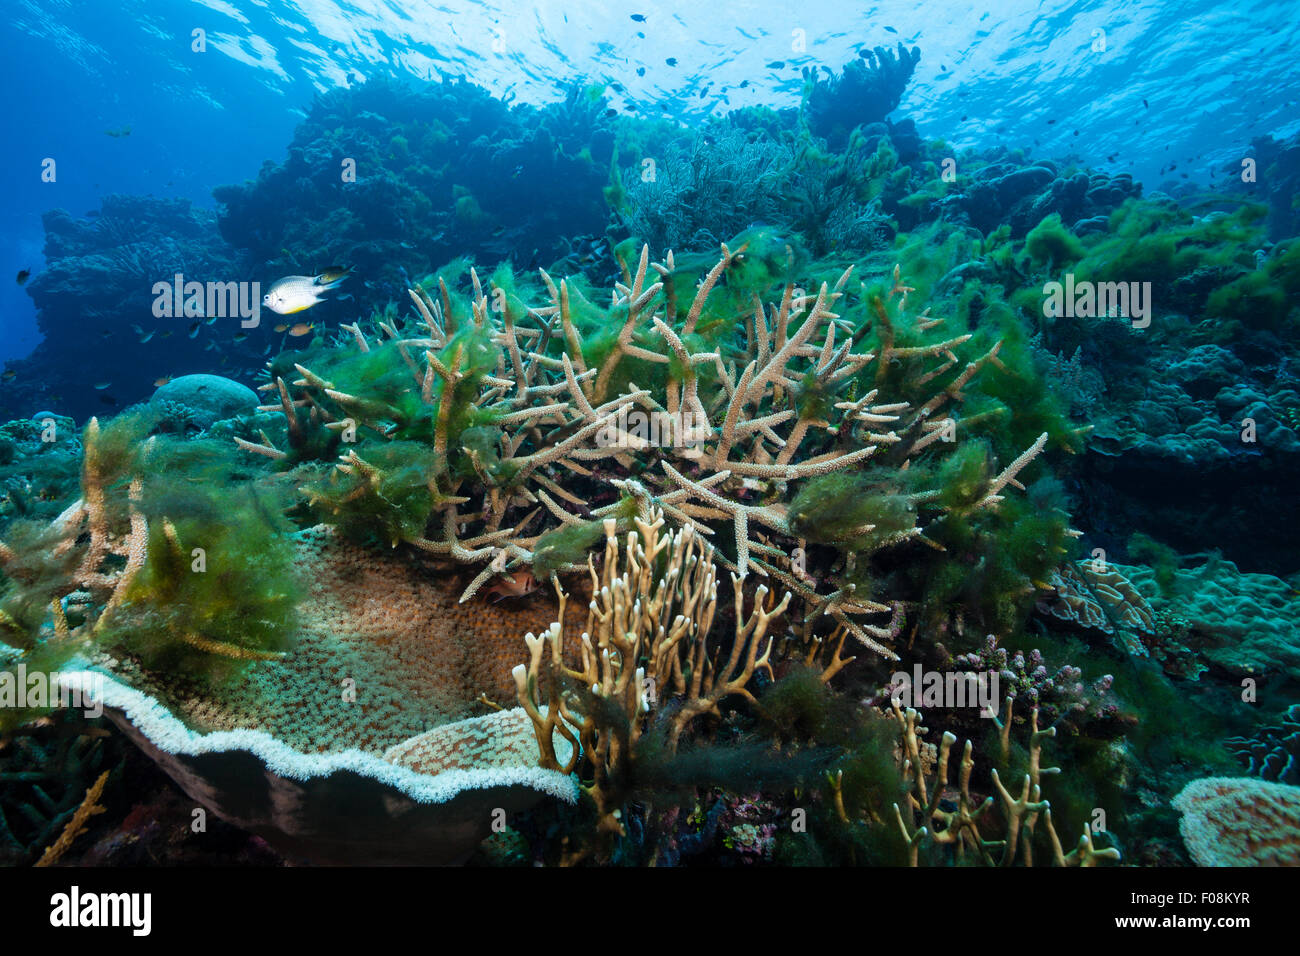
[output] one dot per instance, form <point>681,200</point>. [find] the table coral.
<point>366,718</point>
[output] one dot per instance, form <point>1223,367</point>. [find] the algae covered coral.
<point>748,492</point>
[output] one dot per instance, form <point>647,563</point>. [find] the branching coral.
<point>647,636</point>
<point>927,817</point>
<point>494,424</point>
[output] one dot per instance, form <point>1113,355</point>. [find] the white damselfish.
<point>298,293</point>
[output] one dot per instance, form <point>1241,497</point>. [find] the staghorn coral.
<point>455,437</point>
<point>493,424</point>
<point>1240,821</point>
<point>77,825</point>
<point>46,768</point>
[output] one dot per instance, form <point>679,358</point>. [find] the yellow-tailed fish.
<point>302,328</point>
<point>296,293</point>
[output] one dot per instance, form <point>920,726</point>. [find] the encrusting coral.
<point>1100,597</point>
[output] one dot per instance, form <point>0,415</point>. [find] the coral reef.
<point>440,170</point>
<point>1059,694</point>
<point>206,399</point>
<point>956,825</point>
<point>868,90</point>
<point>460,453</point>
<point>47,768</point>
<point>308,612</point>
<point>1100,598</point>
<point>1239,624</point>
<point>103,345</point>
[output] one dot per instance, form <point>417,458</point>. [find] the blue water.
<point>1190,83</point>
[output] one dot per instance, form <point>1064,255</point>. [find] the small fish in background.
<point>103,385</point>
<point>638,17</point>
<point>160,382</point>
<point>776,65</point>
<point>108,399</point>
<point>334,274</point>
<point>194,329</point>
<point>518,584</point>
<point>640,71</point>
<point>8,374</point>
<point>282,327</point>
<point>298,293</point>
<point>146,337</point>
<point>671,61</point>
<point>301,329</point>
<point>119,132</point>
<point>24,275</point>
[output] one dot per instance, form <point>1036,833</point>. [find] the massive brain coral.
<point>1240,821</point>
